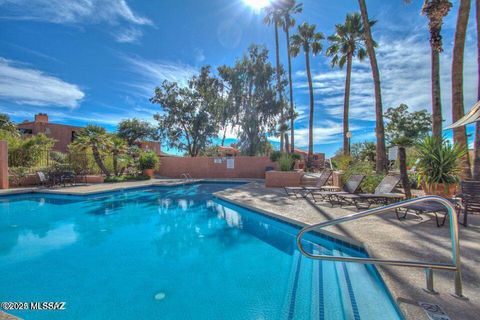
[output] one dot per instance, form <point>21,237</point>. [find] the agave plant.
<point>439,161</point>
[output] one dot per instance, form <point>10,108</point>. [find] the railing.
<point>186,177</point>
<point>455,266</point>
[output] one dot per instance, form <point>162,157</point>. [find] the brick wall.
<point>205,167</point>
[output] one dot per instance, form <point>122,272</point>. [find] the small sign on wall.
<point>217,160</point>
<point>230,163</point>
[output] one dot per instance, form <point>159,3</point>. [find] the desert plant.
<point>371,180</point>
<point>285,162</point>
<point>148,160</point>
<point>439,161</point>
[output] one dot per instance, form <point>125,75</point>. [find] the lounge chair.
<point>470,199</point>
<point>425,207</point>
<point>383,194</point>
<point>351,186</point>
<point>304,191</point>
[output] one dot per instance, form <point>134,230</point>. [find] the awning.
<point>471,117</point>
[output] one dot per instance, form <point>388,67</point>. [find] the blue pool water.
<point>109,256</point>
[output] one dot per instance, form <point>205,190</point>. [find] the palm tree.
<point>436,10</point>
<point>346,44</point>
<point>381,157</point>
<point>460,134</point>
<point>118,148</point>
<point>476,147</point>
<point>308,40</point>
<point>272,16</point>
<point>95,138</point>
<point>288,9</point>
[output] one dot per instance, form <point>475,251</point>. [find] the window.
<point>74,134</point>
<point>25,131</point>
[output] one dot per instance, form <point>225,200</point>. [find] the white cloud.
<point>23,85</point>
<point>152,73</point>
<point>405,78</point>
<point>112,12</point>
<point>326,132</point>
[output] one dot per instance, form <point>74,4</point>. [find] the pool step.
<point>347,295</point>
<point>288,311</point>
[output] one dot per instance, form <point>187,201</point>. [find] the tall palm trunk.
<point>346,106</point>
<point>98,160</point>
<point>476,148</point>
<point>310,122</point>
<point>290,85</point>
<point>279,86</point>
<point>460,134</point>
<point>436,96</point>
<point>381,153</point>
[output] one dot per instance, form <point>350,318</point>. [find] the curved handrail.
<point>455,266</point>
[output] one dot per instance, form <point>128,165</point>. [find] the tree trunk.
<point>290,85</point>
<point>381,157</point>
<point>115,164</point>
<point>310,122</point>
<point>403,172</point>
<point>476,147</point>
<point>460,134</point>
<point>279,86</point>
<point>436,96</point>
<point>346,105</point>
<point>99,162</point>
<point>287,146</point>
<point>224,135</point>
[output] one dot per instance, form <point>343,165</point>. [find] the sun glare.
<point>257,4</point>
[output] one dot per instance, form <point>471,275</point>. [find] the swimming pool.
<point>173,253</point>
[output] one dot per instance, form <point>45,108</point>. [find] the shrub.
<point>439,161</point>
<point>275,155</point>
<point>127,178</point>
<point>296,156</point>
<point>285,162</point>
<point>371,180</point>
<point>148,160</point>
<point>342,162</point>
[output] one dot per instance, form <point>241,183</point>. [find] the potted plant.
<point>438,166</point>
<point>148,162</point>
<point>285,176</point>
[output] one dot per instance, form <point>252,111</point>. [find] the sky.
<point>98,61</point>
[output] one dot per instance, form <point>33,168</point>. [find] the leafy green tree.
<point>288,9</point>
<point>190,115</point>
<point>7,125</point>
<point>436,10</point>
<point>403,130</point>
<point>346,44</point>
<point>134,130</point>
<point>95,138</point>
<point>381,157</point>
<point>252,90</point>
<point>308,40</point>
<point>363,151</point>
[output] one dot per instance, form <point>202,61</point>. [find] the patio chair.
<point>383,194</point>
<point>469,199</point>
<point>68,177</point>
<point>333,197</point>
<point>305,190</point>
<point>43,179</point>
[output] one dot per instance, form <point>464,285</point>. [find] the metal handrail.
<point>186,177</point>
<point>455,266</point>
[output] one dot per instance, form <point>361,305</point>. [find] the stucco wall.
<point>3,165</point>
<point>61,133</point>
<point>205,167</point>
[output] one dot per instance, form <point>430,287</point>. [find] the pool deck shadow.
<point>386,237</point>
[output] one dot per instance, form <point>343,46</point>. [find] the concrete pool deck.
<point>383,236</point>
<point>386,237</point>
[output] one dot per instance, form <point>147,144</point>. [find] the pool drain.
<point>160,296</point>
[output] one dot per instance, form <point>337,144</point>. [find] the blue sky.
<point>98,61</point>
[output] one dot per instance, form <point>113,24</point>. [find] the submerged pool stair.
<point>455,266</point>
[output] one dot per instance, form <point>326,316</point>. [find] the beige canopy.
<point>471,117</point>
